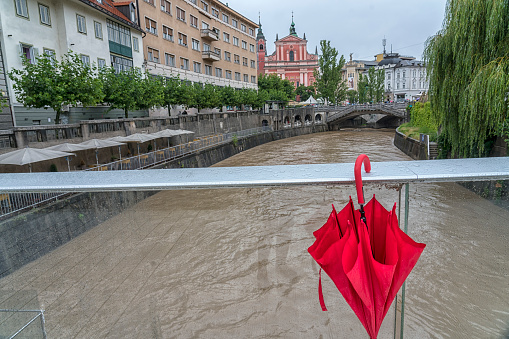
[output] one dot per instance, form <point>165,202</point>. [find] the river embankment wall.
<point>411,147</point>
<point>34,233</point>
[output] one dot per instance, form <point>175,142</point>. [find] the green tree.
<point>329,84</point>
<point>55,84</point>
<point>171,92</point>
<point>362,89</point>
<point>152,92</point>
<point>468,71</point>
<point>305,92</point>
<point>228,96</point>
<point>352,96</point>
<point>121,90</point>
<point>375,81</point>
<point>277,88</point>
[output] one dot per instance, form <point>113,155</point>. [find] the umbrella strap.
<point>320,293</point>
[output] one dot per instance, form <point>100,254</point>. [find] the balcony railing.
<point>211,55</point>
<point>209,34</point>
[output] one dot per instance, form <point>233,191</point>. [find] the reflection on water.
<point>234,263</point>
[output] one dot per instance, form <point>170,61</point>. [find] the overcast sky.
<point>353,26</point>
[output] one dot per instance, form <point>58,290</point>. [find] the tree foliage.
<point>468,69</point>
<point>276,88</point>
<point>305,92</point>
<point>329,83</point>
<point>131,90</point>
<point>375,83</point>
<point>51,83</point>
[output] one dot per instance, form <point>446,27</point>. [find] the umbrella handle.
<point>363,158</point>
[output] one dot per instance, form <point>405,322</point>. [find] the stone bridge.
<point>344,116</point>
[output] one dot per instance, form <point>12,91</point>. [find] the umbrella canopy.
<point>368,260</point>
<point>30,155</point>
<point>67,147</point>
<point>99,143</point>
<point>167,133</point>
<point>137,137</point>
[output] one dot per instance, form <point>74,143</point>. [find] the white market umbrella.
<point>168,133</point>
<point>99,143</point>
<point>67,147</point>
<point>29,155</point>
<point>138,138</point>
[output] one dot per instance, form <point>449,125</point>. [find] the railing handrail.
<point>394,172</point>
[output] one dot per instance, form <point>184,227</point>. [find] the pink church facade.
<point>290,60</point>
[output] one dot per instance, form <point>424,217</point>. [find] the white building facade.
<point>405,77</point>
<point>100,31</point>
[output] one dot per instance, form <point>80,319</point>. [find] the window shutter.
<point>35,54</point>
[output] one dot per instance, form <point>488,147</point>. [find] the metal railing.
<point>39,315</point>
<point>15,202</point>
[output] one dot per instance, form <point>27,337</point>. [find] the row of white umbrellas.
<point>30,155</point>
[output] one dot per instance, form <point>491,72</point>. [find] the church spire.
<point>260,33</point>
<point>292,28</point>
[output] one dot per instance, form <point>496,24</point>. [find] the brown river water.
<point>233,263</point>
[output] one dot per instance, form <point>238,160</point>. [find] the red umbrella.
<point>366,255</point>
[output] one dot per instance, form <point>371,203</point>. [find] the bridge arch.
<point>318,117</point>
<point>307,118</point>
<point>265,123</point>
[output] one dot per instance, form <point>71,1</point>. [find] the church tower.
<point>261,51</point>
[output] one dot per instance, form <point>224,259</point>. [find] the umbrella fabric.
<point>30,155</point>
<point>99,143</point>
<point>367,263</point>
<point>67,147</point>
<point>166,133</point>
<point>137,137</point>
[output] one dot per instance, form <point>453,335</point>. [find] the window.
<point>228,75</point>
<point>197,67</point>
<point>51,53</point>
<point>101,63</point>
<point>153,55</point>
<point>205,6</point>
<point>261,47</point>
<point>217,51</point>
<point>151,26</point>
<point>85,59</point>
<point>208,69</point>
<point>226,37</point>
<point>225,18</point>
<point>167,33</point>
<point>193,21</point>
<point>251,31</point>
<point>196,45</point>
<point>237,76</point>
<point>181,14</point>
<point>219,72</point>
<point>236,59</point>
<point>44,15</point>
<point>404,74</point>
<point>253,64</point>
<point>215,12</point>
<point>169,59</point>
<point>193,1</point>
<point>182,39</point>
<point>242,27</point>
<point>235,41</point>
<point>244,44</point>
<point>292,57</point>
<point>166,6</point>
<point>98,29</point>
<point>184,63</point>
<point>251,48</point>
<point>235,23</point>
<point>244,61</point>
<point>246,78</point>
<point>118,33</point>
<point>227,56</point>
<point>82,25</point>
<point>404,85</point>
<point>204,25</point>
<point>28,52</point>
<point>206,47</point>
<point>21,8</point>
<point>152,2</point>
<point>253,79</point>
<point>120,63</point>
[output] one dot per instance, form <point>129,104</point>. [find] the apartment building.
<point>100,31</point>
<point>199,41</point>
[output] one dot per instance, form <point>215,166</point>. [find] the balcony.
<point>210,55</point>
<point>209,34</point>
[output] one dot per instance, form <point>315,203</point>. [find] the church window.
<point>261,47</point>
<point>292,56</point>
